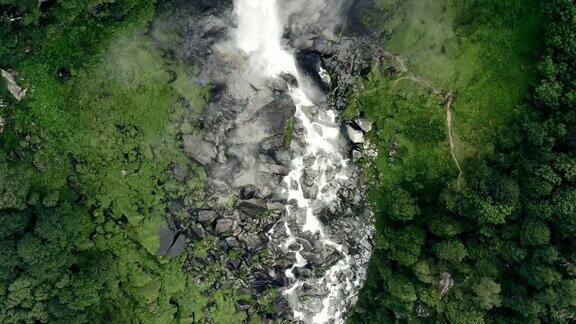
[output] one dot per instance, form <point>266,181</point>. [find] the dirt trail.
<point>448,104</point>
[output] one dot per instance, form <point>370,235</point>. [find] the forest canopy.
<point>496,244</point>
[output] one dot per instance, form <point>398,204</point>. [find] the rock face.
<point>249,140</point>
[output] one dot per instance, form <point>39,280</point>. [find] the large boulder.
<point>207,216</point>
<point>178,247</point>
<point>252,207</point>
<point>166,236</point>
<point>276,115</point>
<point>364,124</point>
<point>200,150</point>
<point>224,225</point>
<point>268,126</point>
<point>356,136</point>
<point>12,86</point>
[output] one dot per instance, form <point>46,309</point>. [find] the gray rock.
<point>310,191</point>
<point>356,155</point>
<point>276,115</point>
<point>355,136</point>
<point>252,207</point>
<point>278,85</point>
<point>174,207</point>
<point>289,78</point>
<point>253,242</point>
<point>180,173</point>
<point>364,124</point>
<point>275,206</point>
<point>273,169</point>
<point>207,216</point>
<point>12,86</point>
<point>178,247</point>
<point>232,242</point>
<point>224,225</point>
<point>198,231</point>
<point>248,191</point>
<point>200,150</point>
<point>166,236</point>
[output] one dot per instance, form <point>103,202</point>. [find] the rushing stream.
<point>259,34</point>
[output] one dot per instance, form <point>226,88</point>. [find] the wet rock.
<point>291,79</point>
<point>12,86</point>
<point>304,41</point>
<point>252,207</point>
<point>356,136</point>
<point>200,150</point>
<point>207,216</point>
<point>310,62</point>
<point>302,272</point>
<point>310,191</point>
<point>279,86</point>
<point>276,114</point>
<point>248,191</point>
<point>224,225</point>
<point>364,124</point>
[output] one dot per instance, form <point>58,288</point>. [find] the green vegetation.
<point>474,187</point>
<point>83,185</point>
<point>496,242</point>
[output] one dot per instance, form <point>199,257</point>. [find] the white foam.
<point>259,35</point>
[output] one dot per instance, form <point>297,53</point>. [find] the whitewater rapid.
<point>259,35</point>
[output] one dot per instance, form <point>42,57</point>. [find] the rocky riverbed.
<point>245,229</point>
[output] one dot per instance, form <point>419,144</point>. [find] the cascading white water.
<point>259,35</point>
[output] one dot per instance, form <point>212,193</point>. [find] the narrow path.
<point>449,99</point>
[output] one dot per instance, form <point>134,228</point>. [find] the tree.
<point>403,206</point>
<point>487,293</point>
<point>535,233</point>
<point>451,251</point>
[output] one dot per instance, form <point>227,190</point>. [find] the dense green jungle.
<point>473,189</point>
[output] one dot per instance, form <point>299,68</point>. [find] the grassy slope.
<point>117,119</point>
<point>482,51</point>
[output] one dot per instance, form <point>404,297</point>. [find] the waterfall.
<point>259,35</point>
